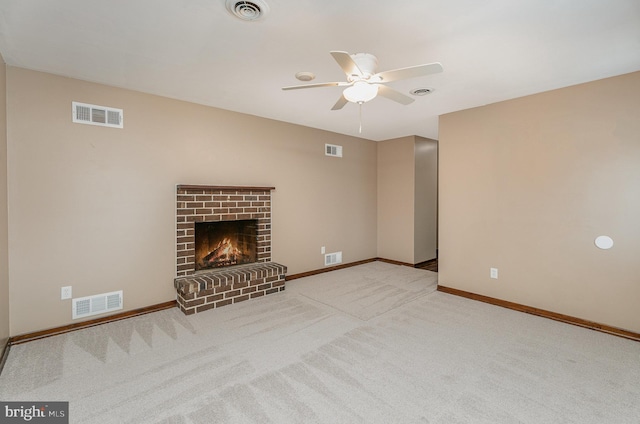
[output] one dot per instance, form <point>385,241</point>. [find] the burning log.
<point>225,253</point>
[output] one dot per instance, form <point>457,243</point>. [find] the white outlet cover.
<point>65,293</point>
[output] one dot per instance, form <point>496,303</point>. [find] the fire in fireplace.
<point>225,243</point>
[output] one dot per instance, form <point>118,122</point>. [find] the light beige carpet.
<point>322,351</point>
<point>369,290</point>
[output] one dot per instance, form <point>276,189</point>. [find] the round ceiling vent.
<point>421,91</point>
<point>247,10</point>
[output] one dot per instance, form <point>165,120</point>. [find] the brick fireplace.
<point>203,289</point>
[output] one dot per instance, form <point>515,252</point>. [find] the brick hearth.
<point>223,286</point>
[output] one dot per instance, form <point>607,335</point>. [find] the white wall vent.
<point>83,113</point>
<point>333,258</point>
<point>97,304</point>
<point>333,150</point>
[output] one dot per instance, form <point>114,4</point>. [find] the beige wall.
<point>4,249</point>
<point>426,200</point>
<point>528,184</point>
<point>94,207</point>
<point>407,199</point>
<point>395,199</point>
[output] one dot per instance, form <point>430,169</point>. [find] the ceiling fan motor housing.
<point>367,63</point>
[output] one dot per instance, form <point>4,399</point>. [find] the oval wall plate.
<point>604,242</point>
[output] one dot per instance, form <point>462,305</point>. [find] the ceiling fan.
<point>364,84</point>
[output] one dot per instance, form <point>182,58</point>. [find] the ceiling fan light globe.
<point>360,92</point>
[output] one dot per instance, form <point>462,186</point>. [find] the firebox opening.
<point>225,243</point>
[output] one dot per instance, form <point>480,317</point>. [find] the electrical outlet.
<point>65,293</point>
<point>322,250</point>
<point>494,273</point>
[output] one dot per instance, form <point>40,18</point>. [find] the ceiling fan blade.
<point>320,84</point>
<point>410,72</point>
<point>340,103</point>
<point>347,63</point>
<point>394,95</point>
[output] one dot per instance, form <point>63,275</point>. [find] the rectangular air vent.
<point>83,113</point>
<point>333,258</point>
<point>333,150</point>
<point>97,304</point>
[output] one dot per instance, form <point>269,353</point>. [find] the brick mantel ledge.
<point>206,187</point>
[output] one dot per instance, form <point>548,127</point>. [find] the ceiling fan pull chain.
<point>360,112</point>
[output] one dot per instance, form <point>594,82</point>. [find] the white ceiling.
<point>195,50</point>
